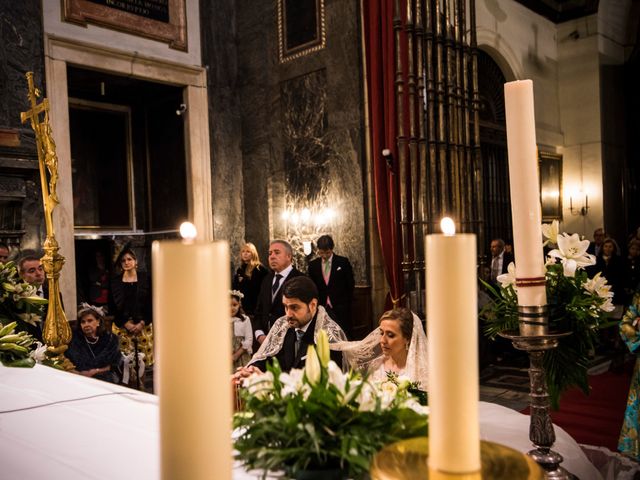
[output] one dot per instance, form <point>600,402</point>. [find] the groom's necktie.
<point>276,285</point>
<point>299,335</point>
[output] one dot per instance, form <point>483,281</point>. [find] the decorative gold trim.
<point>408,459</point>
<point>319,43</point>
<point>174,33</point>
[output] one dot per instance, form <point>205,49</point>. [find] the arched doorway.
<point>493,144</point>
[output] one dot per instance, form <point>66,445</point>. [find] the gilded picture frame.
<point>550,185</point>
<point>301,28</point>
<point>161,20</point>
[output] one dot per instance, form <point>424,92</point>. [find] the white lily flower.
<point>414,405</point>
<point>291,382</point>
<point>336,377</point>
<point>367,398</point>
<point>312,366</point>
<point>508,278</point>
<point>608,306</point>
<point>322,342</point>
<point>572,252</point>
<point>259,384</point>
<point>598,285</point>
<point>550,232</point>
<point>30,318</point>
<point>39,354</point>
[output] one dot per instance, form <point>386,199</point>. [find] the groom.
<point>291,334</point>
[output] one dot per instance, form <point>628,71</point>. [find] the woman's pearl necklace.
<point>91,343</point>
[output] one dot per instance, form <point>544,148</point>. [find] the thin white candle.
<point>192,328</point>
<point>524,180</point>
<point>452,332</point>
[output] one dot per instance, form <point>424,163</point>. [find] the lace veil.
<point>366,355</point>
<point>275,339</point>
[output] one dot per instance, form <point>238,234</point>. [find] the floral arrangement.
<point>320,418</point>
<point>20,310</point>
<point>577,304</point>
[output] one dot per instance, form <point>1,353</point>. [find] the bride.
<point>398,345</point>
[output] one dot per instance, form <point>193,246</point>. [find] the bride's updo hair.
<point>402,316</point>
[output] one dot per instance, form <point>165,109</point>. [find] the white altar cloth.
<point>58,425</point>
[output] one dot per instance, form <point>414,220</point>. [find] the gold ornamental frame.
<point>319,41</point>
<point>83,12</point>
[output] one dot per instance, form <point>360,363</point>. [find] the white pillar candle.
<point>192,328</point>
<point>524,180</point>
<point>452,332</point>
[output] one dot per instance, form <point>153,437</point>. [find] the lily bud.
<point>312,366</point>
<point>323,348</point>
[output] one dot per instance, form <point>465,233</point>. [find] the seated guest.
<point>611,266</point>
<point>398,345</point>
<point>93,350</point>
<point>242,332</point>
<point>291,334</point>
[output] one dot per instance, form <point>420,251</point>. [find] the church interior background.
<point>254,120</point>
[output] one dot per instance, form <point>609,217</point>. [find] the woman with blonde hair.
<point>249,276</point>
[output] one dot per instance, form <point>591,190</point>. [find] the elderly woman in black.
<point>93,350</point>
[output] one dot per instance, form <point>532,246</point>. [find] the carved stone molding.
<point>162,20</point>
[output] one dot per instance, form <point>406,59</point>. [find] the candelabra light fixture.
<point>576,210</point>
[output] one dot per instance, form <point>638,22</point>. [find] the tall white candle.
<point>452,332</point>
<point>524,179</point>
<point>192,328</point>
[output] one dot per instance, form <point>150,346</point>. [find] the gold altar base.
<point>407,460</point>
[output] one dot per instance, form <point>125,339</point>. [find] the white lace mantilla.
<point>275,339</point>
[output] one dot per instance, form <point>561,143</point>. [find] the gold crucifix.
<point>57,333</point>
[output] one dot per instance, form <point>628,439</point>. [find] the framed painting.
<point>550,185</point>
<point>301,28</point>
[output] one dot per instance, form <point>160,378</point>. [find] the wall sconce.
<point>306,247</point>
<point>579,210</point>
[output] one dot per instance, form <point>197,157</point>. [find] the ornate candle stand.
<point>535,339</point>
<point>57,333</point>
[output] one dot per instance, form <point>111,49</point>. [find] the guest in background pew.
<point>94,350</point>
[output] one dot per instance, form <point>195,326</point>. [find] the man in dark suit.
<point>269,306</point>
<point>500,259</point>
<point>32,272</point>
<point>303,318</point>
<point>333,275</point>
<point>599,236</point>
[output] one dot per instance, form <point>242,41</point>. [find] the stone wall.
<point>302,134</point>
<point>22,51</point>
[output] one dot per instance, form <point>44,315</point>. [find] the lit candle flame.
<point>188,231</point>
<point>447,226</point>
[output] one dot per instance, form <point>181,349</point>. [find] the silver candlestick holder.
<point>534,338</point>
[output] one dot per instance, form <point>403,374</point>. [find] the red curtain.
<point>380,65</point>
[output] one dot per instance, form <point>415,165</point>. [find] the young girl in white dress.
<point>242,334</point>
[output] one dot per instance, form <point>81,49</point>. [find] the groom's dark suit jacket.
<point>268,311</point>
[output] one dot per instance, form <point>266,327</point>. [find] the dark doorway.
<point>493,142</point>
<point>128,168</point>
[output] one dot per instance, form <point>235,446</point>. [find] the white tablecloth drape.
<point>57,425</point>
